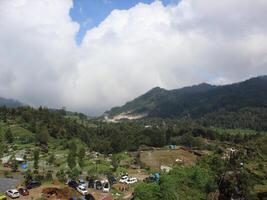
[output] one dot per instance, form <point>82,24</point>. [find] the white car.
<point>123,179</point>
<point>131,180</point>
<point>13,193</point>
<point>106,186</point>
<point>83,183</point>
<point>82,190</point>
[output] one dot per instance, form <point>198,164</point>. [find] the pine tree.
<point>9,136</point>
<point>71,160</point>
<point>36,159</point>
<point>81,156</point>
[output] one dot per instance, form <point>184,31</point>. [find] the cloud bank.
<point>130,52</point>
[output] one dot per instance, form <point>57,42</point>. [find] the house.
<point>19,156</point>
<point>6,159</point>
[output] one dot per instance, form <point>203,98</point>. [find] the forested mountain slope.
<point>10,103</point>
<point>197,101</point>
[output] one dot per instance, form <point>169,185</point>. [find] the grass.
<point>261,187</point>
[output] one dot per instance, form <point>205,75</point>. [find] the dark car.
<point>91,183</point>
<point>89,197</point>
<point>111,179</point>
<point>33,184</point>
<point>23,191</point>
<point>73,184</point>
<point>150,179</point>
<point>98,185</point>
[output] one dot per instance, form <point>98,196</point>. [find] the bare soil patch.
<point>155,158</point>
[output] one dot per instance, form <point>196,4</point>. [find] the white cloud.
<point>130,52</point>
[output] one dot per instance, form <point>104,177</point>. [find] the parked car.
<point>73,198</point>
<point>98,185</point>
<point>111,179</point>
<point>131,180</point>
<point>3,197</point>
<point>82,190</point>
<point>150,179</point>
<point>123,179</point>
<point>89,197</point>
<point>73,184</point>
<point>23,191</point>
<point>13,193</point>
<point>91,183</point>
<point>106,187</point>
<point>33,184</point>
<point>83,183</point>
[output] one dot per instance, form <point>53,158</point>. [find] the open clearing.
<point>155,158</point>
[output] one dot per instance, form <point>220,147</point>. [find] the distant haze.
<point>130,52</point>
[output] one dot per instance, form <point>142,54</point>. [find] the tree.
<point>42,135</point>
<point>167,191</point>
<point>9,136</point>
<point>51,159</point>
<point>2,148</point>
<point>115,161</point>
<point>36,158</point>
<point>146,191</point>
<point>49,176</point>
<point>71,160</point>
<point>74,173</point>
<point>61,175</point>
<point>14,163</point>
<point>168,136</point>
<point>28,177</point>
<point>62,132</point>
<point>81,156</point>
<point>73,147</point>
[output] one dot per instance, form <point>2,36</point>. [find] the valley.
<point>216,155</point>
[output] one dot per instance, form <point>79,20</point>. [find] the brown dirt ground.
<point>155,158</point>
<point>63,193</point>
<point>138,173</point>
<point>56,191</point>
<point>98,194</point>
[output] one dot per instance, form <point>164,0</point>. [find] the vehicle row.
<point>22,191</point>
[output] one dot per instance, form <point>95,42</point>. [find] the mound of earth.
<point>57,193</point>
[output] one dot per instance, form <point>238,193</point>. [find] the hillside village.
<point>133,99</point>
<point>65,166</point>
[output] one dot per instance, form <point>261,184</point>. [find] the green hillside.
<point>11,103</point>
<point>205,102</point>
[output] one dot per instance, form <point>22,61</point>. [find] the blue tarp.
<point>24,165</point>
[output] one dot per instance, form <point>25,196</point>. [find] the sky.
<point>91,55</point>
<point>90,13</point>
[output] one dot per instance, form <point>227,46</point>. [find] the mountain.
<point>11,103</point>
<point>196,101</point>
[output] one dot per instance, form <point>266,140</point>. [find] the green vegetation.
<point>240,105</point>
<point>63,145</point>
<point>9,136</point>
<point>36,154</point>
